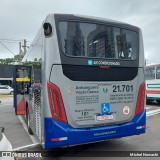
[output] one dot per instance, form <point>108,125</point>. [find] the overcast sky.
<point>21,19</point>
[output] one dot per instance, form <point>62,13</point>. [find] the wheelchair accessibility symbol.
<point>105,107</point>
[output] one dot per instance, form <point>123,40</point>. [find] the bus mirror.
<point>47,29</point>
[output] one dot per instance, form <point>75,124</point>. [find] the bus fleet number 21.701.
<point>122,88</point>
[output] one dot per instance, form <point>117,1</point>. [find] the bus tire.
<point>28,122</point>
<point>11,92</point>
<point>158,101</point>
<point>148,101</point>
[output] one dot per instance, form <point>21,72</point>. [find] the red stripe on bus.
<point>152,92</point>
<point>21,107</point>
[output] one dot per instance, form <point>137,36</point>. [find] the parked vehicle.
<point>6,89</point>
<point>152,75</point>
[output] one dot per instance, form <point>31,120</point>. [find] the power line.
<point>8,41</point>
<point>7,48</point>
<point>11,39</point>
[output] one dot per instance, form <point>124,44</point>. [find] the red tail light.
<point>56,103</point>
<point>104,67</point>
<point>141,99</point>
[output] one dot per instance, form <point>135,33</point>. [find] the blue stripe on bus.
<point>55,129</point>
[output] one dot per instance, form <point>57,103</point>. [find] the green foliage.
<point>6,61</point>
<point>33,64</point>
<point>10,60</point>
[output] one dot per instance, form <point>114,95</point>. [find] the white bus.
<point>86,82</point>
<point>152,74</point>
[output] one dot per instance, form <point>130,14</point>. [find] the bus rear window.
<point>97,41</point>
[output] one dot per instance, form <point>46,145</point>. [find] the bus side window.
<point>158,73</point>
<point>150,73</point>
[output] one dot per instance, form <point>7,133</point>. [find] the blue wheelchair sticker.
<point>105,107</point>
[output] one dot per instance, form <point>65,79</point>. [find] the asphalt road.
<point>150,141</point>
<point>14,130</point>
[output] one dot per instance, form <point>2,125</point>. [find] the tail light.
<point>104,67</point>
<point>141,99</point>
<point>56,103</point>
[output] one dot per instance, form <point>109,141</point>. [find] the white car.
<point>5,147</point>
<point>4,89</point>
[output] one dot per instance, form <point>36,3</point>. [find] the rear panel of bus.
<point>97,90</point>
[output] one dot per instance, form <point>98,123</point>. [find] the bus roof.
<point>152,65</point>
<point>91,17</point>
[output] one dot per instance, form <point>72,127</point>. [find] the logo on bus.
<point>90,62</point>
<point>105,90</point>
<point>70,90</point>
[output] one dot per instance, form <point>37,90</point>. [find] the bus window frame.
<point>119,26</point>
<point>67,60</point>
<point>158,66</point>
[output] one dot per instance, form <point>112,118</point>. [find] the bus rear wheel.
<point>11,92</point>
<point>149,101</point>
<point>158,101</point>
<point>28,121</point>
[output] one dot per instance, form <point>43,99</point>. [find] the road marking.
<point>153,112</point>
<point>25,147</point>
<point>148,108</point>
<point>33,139</point>
<point>8,104</point>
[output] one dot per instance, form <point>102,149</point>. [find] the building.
<point>6,74</point>
<point>74,43</point>
<point>100,42</point>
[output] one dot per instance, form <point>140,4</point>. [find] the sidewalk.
<point>14,130</point>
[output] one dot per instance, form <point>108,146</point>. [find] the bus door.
<point>22,83</point>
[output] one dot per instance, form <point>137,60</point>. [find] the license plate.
<point>104,117</point>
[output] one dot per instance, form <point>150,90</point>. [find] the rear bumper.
<point>58,134</point>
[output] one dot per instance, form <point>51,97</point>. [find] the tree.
<point>10,60</point>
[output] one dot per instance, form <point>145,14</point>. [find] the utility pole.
<point>20,52</point>
<point>24,47</point>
